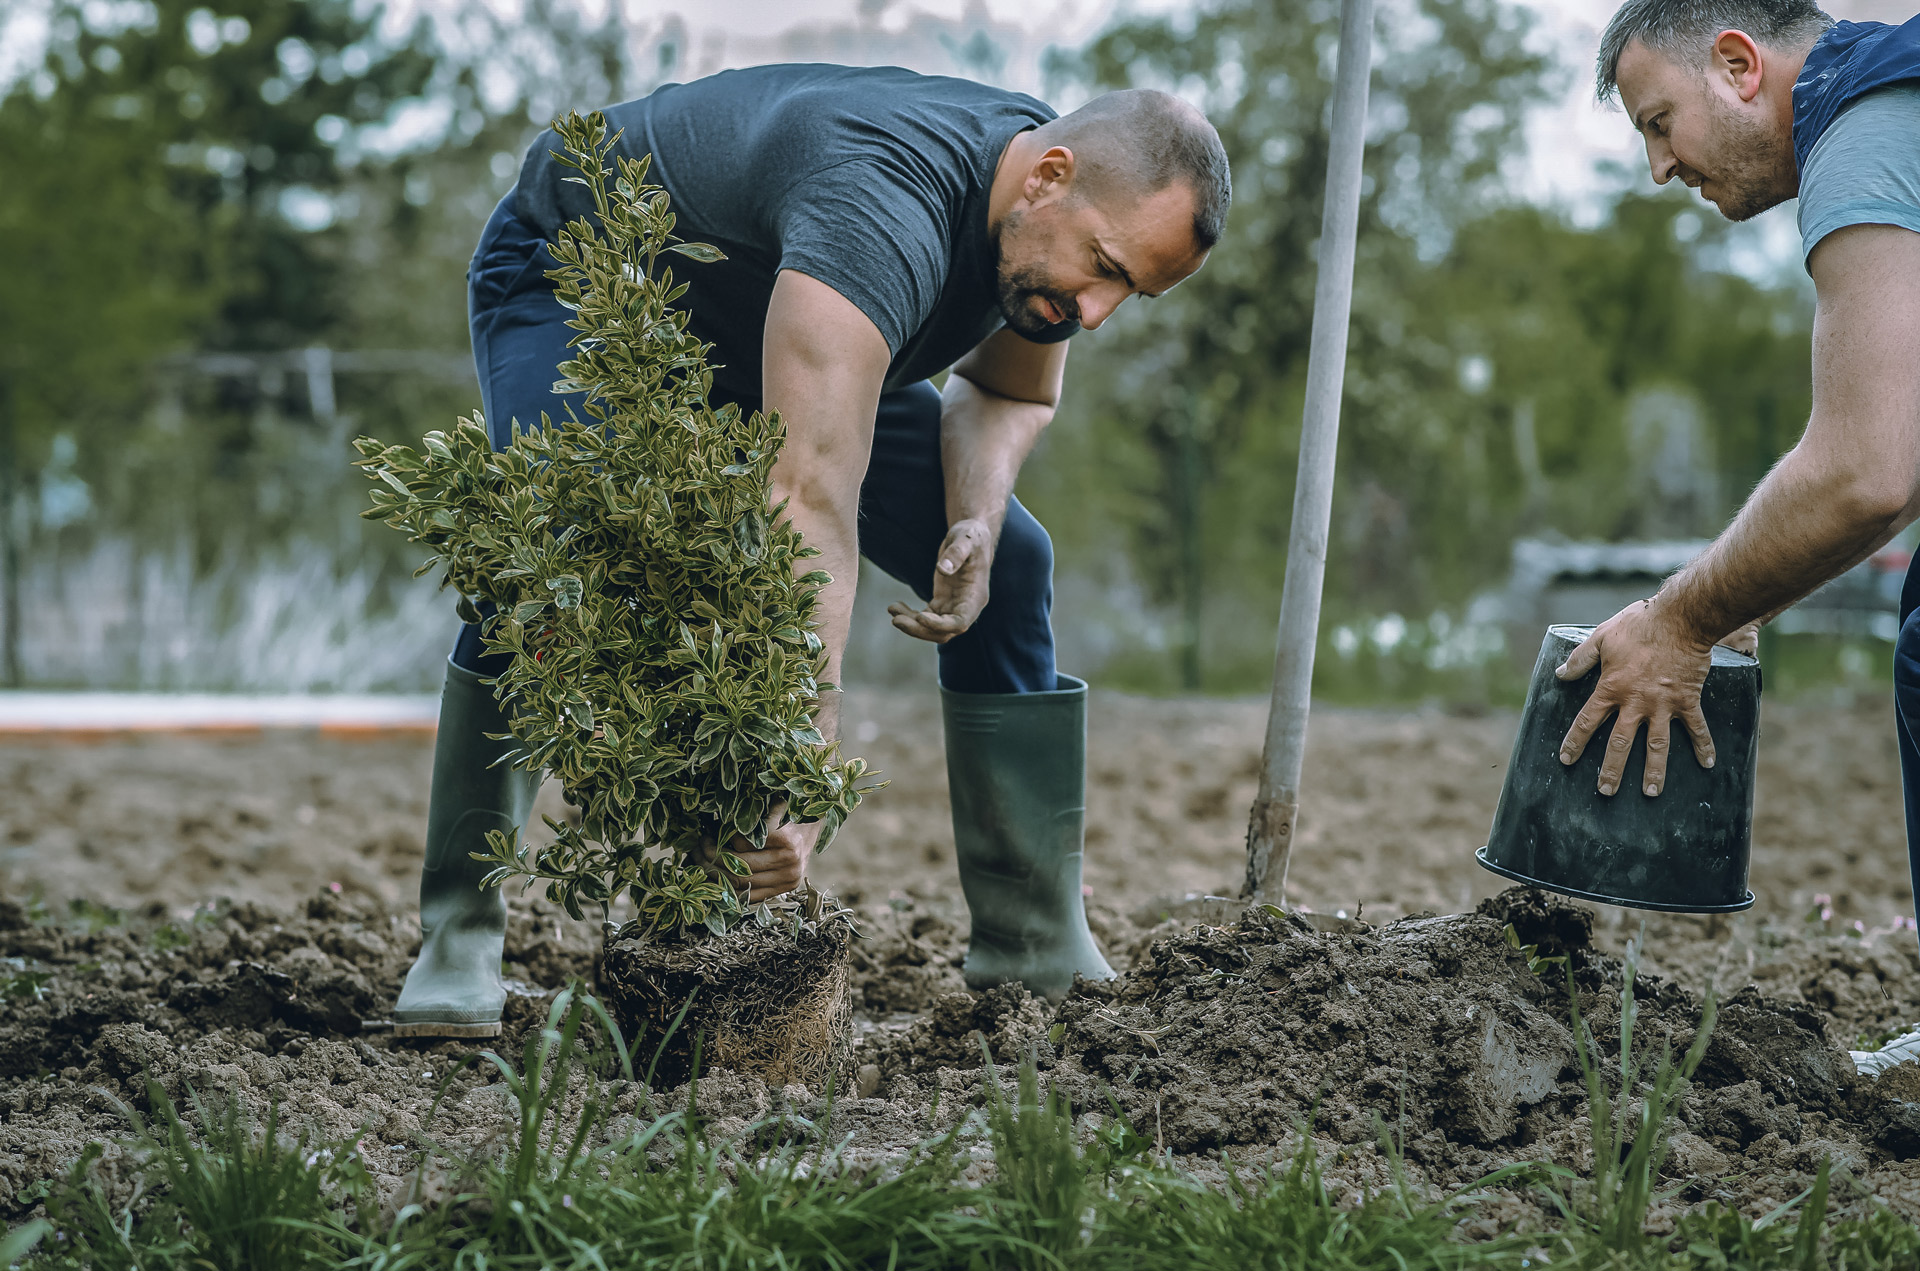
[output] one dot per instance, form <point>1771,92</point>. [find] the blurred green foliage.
<point>158,160</point>
<point>1497,351</point>
<point>256,175</point>
<point>264,174</point>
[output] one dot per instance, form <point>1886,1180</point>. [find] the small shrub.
<point>665,664</point>
<point>93,917</point>
<point>169,936</point>
<point>18,983</point>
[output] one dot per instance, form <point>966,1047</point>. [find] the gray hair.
<point>1685,29</point>
<point>1139,141</point>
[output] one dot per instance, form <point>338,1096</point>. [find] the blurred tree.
<point>1495,396</point>
<point>104,269</point>
<point>170,170</point>
<point>259,108</point>
<point>1496,353</point>
<point>1202,382</point>
<point>250,175</point>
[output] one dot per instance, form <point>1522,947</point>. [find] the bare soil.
<point>265,891</point>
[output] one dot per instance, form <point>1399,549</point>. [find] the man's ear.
<point>1050,176</point>
<point>1737,60</point>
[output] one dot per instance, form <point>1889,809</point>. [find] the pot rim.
<point>1619,901</point>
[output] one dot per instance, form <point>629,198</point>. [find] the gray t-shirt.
<point>873,180</point>
<point>1865,169</point>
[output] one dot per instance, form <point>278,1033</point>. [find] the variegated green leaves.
<point>665,665</point>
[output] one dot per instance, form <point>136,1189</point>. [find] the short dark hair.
<point>1138,141</point>
<point>1685,29</point>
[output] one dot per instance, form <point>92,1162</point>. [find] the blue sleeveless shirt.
<point>1851,59</point>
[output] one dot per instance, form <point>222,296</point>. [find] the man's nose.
<point>1661,161</point>
<point>1096,305</point>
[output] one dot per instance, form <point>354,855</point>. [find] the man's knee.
<point>1023,561</point>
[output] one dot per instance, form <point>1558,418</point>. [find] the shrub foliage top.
<point>665,665</point>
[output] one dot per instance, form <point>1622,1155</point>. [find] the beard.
<point>1019,290</point>
<point>1749,160</point>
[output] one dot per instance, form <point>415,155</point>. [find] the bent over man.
<point>879,227</point>
<point>1752,102</point>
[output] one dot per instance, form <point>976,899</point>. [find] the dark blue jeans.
<point>1906,701</point>
<point>520,335</point>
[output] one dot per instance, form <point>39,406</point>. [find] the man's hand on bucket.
<point>1651,672</point>
<point>959,586</point>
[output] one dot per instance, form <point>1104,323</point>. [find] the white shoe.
<point>1903,1049</point>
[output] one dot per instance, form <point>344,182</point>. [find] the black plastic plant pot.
<point>1682,851</point>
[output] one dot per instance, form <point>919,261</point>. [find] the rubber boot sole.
<point>431,1029</point>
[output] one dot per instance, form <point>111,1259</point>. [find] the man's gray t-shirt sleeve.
<point>871,237</point>
<point>1865,169</point>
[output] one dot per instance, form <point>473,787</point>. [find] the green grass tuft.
<point>1629,1129</point>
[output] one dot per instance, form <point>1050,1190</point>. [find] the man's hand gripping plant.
<point>665,666</point>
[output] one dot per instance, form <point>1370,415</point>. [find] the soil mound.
<point>238,1002</point>
<point>1451,1033</point>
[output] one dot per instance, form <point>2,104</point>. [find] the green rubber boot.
<point>1017,772</point>
<point>454,987</point>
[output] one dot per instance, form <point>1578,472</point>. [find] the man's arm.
<point>822,366</point>
<point>1848,486</point>
<point>997,401</point>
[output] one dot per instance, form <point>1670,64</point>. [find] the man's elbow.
<point>1878,496</point>
<point>821,487</point>
<point>1043,395</point>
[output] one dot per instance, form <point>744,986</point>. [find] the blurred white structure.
<point>293,621</point>
<point>1581,584</point>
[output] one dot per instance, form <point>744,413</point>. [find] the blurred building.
<point>1581,584</point>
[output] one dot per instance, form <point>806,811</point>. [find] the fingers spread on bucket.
<point>1585,724</point>
<point>1696,722</point>
<point>1619,746</point>
<point>1659,743</point>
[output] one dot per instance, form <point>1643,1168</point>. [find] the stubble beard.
<point>1018,289</point>
<point>1753,176</point>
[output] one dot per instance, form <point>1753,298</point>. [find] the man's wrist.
<point>988,529</point>
<point>826,715</point>
<point>1668,610</point>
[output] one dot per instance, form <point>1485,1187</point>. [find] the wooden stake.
<point>1270,824</point>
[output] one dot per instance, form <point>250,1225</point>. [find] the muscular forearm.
<point>984,438</point>
<point>1851,482</point>
<point>1814,517</point>
<point>836,534</point>
<point>822,366</point>
<point>1864,553</point>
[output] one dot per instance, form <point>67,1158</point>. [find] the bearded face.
<point>1710,126</point>
<point>1031,297</point>
<point>1742,164</point>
